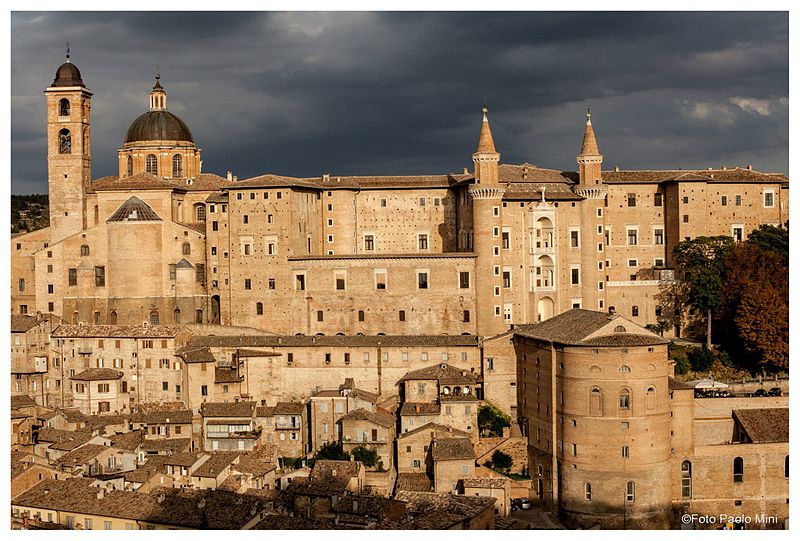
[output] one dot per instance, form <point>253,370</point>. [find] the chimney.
<point>235,178</point>
<point>749,166</point>
<point>162,497</point>
<point>466,171</point>
<point>616,168</point>
<point>100,494</point>
<point>230,175</point>
<point>724,168</point>
<point>326,177</point>
<point>46,491</point>
<point>611,311</point>
<point>201,503</point>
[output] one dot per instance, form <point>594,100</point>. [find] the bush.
<point>682,365</point>
<point>332,451</point>
<point>502,461</point>
<point>701,359</point>
<point>369,457</point>
<point>492,421</point>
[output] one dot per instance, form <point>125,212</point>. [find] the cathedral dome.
<point>68,74</point>
<point>158,125</point>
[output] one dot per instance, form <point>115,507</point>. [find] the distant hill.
<point>29,213</point>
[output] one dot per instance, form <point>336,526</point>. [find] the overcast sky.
<point>400,93</point>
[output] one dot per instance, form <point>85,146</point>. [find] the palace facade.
<point>451,253</point>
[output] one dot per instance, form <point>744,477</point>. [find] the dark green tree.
<point>492,421</point>
<point>771,239</point>
<point>700,359</point>
<point>332,451</point>
<point>502,461</point>
<point>701,266</point>
<point>369,457</point>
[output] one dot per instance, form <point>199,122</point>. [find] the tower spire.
<point>158,96</point>
<point>485,141</point>
<point>589,146</point>
<point>67,51</point>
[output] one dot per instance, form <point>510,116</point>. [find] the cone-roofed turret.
<point>485,142</point>
<point>589,147</point>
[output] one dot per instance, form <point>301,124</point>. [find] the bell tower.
<point>68,152</point>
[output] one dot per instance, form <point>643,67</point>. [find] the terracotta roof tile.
<point>289,408</point>
<point>764,425</point>
<point>380,417</point>
<point>23,323</point>
<point>251,341</point>
<point>420,408</point>
<point>97,374</point>
<point>453,449</point>
<point>117,331</point>
<point>216,464</point>
<point>444,373</point>
<point>192,354</point>
<point>438,429</point>
<point>414,482</point>
<point>228,409</point>
<point>134,210</point>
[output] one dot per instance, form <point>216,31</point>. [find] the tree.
<point>332,451</point>
<point>491,420</point>
<point>700,359</point>
<point>701,265</point>
<point>771,239</point>
<point>659,328</point>
<point>502,461</point>
<point>369,457</point>
<point>672,297</point>
<point>756,302</point>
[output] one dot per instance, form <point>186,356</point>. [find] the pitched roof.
<point>167,445</point>
<point>486,482</point>
<point>731,175</point>
<point>289,408</point>
<point>163,417</point>
<point>148,181</point>
<point>764,425</point>
<point>228,409</point>
<point>225,374</point>
<point>380,417</point>
<point>63,440</point>
<point>420,408</point>
<point>437,429</point>
<point>254,466</point>
<point>453,449</point>
<point>577,327</point>
<point>129,441</point>
<point>22,401</point>
<point>437,511</point>
<point>23,323</point>
<point>117,331</point>
<point>81,455</point>
<point>183,458</point>
<point>216,464</point>
<point>444,373</point>
<point>97,374</point>
<point>134,210</point>
<point>414,482</point>
<point>196,354</point>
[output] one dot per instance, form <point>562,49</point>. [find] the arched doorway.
<point>544,309</point>
<point>215,309</point>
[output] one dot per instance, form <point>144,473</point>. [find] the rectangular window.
<point>320,315</point>
<point>164,386</point>
<point>421,201</point>
<point>204,389</point>
<point>102,387</point>
<point>248,284</point>
<point>631,199</point>
<point>50,288</point>
<point>466,316</point>
<point>506,279</point>
<point>658,236</point>
<point>402,316</point>
<point>657,199</point>
<point>340,282</point>
<point>300,282</point>
<point>22,284</point>
<point>686,218</point>
<point>506,239</point>
<point>738,200</point>
<point>724,200</point>
<point>100,276</point>
<point>73,277</point>
<point>369,243</point>
<point>214,225</point>
<point>769,199</point>
<point>574,241</point>
<point>245,219</point>
<point>575,276</point>
<point>271,283</point>
<point>422,241</point>
<point>380,279</point>
<point>633,263</point>
<point>625,451</point>
<point>463,280</point>
<point>422,280</point>
<point>633,237</point>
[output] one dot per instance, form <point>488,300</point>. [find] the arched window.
<point>596,401</point>
<point>445,390</point>
<point>64,142</point>
<point>259,309</point>
<point>154,317</point>
<point>587,491</point>
<point>630,491</point>
<point>361,315</point>
<point>738,470</point>
<point>620,328</point>
<point>651,398</point>
<point>624,399</point>
<point>635,311</point>
<point>198,316</point>
<point>176,315</point>
<point>624,368</point>
<point>177,166</point>
<point>97,318</point>
<point>186,249</point>
<point>686,479</point>
<point>84,250</point>
<point>75,317</point>
<point>200,212</point>
<point>112,317</point>
<point>151,164</point>
<point>63,107</point>
<point>130,166</point>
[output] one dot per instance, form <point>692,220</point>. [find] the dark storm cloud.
<point>398,93</point>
